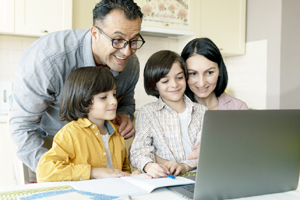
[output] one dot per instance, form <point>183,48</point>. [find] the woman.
<point>208,78</point>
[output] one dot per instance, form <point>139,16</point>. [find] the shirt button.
<point>104,153</point>
<point>93,126</point>
<point>96,133</point>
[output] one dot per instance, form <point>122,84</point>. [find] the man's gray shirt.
<point>41,73</point>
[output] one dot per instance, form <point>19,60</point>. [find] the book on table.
<point>128,185</point>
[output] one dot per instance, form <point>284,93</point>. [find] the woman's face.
<point>203,75</point>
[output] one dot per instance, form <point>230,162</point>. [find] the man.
<point>45,65</point>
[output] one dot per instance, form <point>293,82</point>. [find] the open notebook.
<point>130,185</point>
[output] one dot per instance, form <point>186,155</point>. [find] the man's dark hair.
<point>129,7</point>
<point>80,87</point>
<point>208,49</point>
<point>158,66</point>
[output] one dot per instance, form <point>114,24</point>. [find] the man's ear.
<point>94,33</point>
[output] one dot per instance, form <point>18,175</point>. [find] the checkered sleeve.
<point>142,151</point>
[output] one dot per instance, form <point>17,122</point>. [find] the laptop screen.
<point>248,153</point>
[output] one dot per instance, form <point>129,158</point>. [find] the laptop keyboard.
<point>189,188</point>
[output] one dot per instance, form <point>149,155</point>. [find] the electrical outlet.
<point>5,92</point>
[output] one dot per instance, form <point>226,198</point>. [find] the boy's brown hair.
<point>80,87</point>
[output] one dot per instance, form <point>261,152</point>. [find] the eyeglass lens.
<point>134,44</point>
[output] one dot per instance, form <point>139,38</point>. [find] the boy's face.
<point>104,106</point>
<point>171,88</point>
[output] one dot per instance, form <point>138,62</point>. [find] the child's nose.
<point>113,101</point>
<point>174,83</point>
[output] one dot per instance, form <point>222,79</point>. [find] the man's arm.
<point>29,101</point>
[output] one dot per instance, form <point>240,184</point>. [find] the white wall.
<point>290,52</point>
<point>248,75</point>
<point>277,23</point>
<point>264,23</point>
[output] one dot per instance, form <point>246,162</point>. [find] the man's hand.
<point>98,173</point>
<point>195,153</point>
<point>176,168</point>
<point>155,170</point>
<point>126,128</point>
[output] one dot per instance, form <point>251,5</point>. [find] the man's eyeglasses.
<point>120,43</point>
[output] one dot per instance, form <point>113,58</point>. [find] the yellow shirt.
<point>77,148</point>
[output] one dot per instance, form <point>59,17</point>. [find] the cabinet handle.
<point>165,24</point>
<point>44,31</point>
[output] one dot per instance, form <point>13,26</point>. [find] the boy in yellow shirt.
<point>90,145</point>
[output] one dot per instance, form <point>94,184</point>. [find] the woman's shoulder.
<point>228,102</point>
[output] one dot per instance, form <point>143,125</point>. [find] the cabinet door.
<point>7,16</point>
<point>173,14</point>
<point>224,22</point>
<point>38,17</point>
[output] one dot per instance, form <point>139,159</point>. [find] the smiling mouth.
<point>120,58</point>
<point>202,89</point>
<point>175,91</point>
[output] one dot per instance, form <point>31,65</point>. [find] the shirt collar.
<point>114,73</point>
<point>110,127</point>
<point>162,104</point>
<point>84,123</point>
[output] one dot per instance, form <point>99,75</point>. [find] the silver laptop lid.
<point>248,153</point>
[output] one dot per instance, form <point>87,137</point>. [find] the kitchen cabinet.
<point>39,17</point>
<point>224,22</point>
<point>7,16</point>
<point>35,17</point>
<point>169,14</point>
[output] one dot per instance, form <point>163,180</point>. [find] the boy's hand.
<point>176,168</point>
<point>98,173</point>
<point>155,170</point>
<point>195,153</point>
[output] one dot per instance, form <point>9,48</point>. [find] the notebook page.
<point>109,186</point>
<point>151,184</point>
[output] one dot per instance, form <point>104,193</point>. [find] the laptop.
<point>247,153</point>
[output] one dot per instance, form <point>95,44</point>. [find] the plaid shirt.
<point>158,133</point>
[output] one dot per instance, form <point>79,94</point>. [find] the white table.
<point>162,193</point>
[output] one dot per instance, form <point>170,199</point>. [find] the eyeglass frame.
<point>125,44</point>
